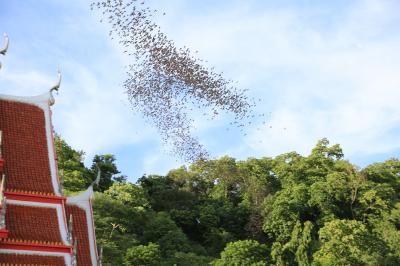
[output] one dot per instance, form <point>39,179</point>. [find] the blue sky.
<point>321,68</point>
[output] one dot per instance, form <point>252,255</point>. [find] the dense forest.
<point>288,210</point>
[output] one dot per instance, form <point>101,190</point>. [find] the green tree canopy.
<point>348,242</point>
<point>243,252</point>
<point>70,163</point>
<point>288,210</point>
<point>143,255</point>
<point>108,170</point>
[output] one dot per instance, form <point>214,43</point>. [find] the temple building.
<point>38,224</point>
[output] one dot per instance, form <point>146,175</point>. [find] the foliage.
<point>289,210</point>
<point>76,176</point>
<point>143,255</point>
<point>258,180</point>
<point>108,169</point>
<point>243,252</point>
<point>348,242</point>
<point>299,248</point>
<point>188,259</point>
<point>288,207</point>
<point>129,194</point>
<point>163,231</point>
<point>74,173</point>
<point>117,227</point>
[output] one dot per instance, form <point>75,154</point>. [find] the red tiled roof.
<point>27,168</point>
<point>32,224</point>
<point>24,147</point>
<point>80,232</point>
<point>19,259</point>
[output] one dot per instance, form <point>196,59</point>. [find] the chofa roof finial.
<point>100,257</point>
<point>70,228</point>
<point>55,88</point>
<point>97,180</point>
<point>74,260</point>
<point>3,51</point>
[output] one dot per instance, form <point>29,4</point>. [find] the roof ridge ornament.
<point>4,50</point>
<point>70,228</point>
<point>61,181</point>
<point>97,180</point>
<point>1,141</point>
<point>55,88</point>
<point>84,197</point>
<point>3,213</point>
<point>74,260</point>
<point>100,257</point>
<point>2,189</point>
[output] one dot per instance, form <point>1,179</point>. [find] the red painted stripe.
<point>35,247</point>
<point>3,233</point>
<point>35,197</point>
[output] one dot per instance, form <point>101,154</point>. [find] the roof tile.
<point>19,259</point>
<point>80,232</point>
<point>32,223</point>
<point>24,147</point>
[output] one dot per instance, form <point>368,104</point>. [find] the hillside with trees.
<point>289,210</point>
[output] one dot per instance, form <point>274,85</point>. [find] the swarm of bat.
<point>165,82</point>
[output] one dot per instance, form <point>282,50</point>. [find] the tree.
<point>76,176</point>
<point>188,259</point>
<point>192,181</point>
<point>243,252</point>
<point>108,169</point>
<point>314,210</point>
<point>164,194</point>
<point>118,227</point>
<point>143,255</point>
<point>334,196</point>
<point>284,210</point>
<point>223,174</point>
<point>162,230</point>
<point>300,247</point>
<point>348,242</point>
<point>70,163</point>
<point>374,201</point>
<point>257,180</point>
<point>387,172</point>
<point>322,158</point>
<point>129,194</point>
<point>388,228</point>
